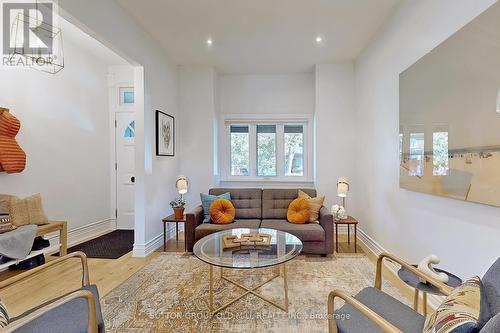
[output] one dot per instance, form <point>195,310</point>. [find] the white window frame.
<point>252,121</point>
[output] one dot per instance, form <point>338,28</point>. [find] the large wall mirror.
<point>450,116</point>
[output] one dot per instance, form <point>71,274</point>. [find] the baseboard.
<point>144,250</point>
<point>376,249</point>
<point>89,231</point>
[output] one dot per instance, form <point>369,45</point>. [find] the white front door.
<point>125,169</point>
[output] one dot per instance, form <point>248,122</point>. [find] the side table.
<point>349,221</point>
<point>414,281</point>
<point>172,219</point>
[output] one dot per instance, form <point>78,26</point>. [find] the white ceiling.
<point>261,36</point>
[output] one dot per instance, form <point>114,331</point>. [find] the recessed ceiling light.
<point>210,41</point>
<point>319,39</point>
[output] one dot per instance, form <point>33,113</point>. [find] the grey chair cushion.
<point>493,325</point>
<point>491,284</point>
<point>69,318</point>
<point>275,202</point>
<point>209,228</point>
<point>308,232</point>
<point>395,312</point>
<point>247,201</point>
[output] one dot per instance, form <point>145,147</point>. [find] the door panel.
<point>125,169</point>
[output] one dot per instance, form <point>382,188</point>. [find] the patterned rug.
<point>171,295</point>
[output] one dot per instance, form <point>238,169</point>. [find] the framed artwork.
<point>165,134</point>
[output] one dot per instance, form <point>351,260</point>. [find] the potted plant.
<point>178,206</point>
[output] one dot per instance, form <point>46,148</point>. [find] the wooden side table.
<point>349,221</point>
<point>56,226</point>
<point>172,219</point>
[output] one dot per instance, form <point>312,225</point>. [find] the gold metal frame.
<point>248,291</point>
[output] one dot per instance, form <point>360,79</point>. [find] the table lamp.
<point>182,185</point>
<point>342,189</point>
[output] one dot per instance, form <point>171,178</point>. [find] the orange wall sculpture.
<point>12,157</point>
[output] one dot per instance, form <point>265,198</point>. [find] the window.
<point>440,154</point>
<point>127,96</point>
<point>294,150</point>
<point>130,130</point>
<point>240,151</point>
<point>417,154</point>
<point>266,151</point>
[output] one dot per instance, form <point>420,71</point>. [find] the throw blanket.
<point>17,244</point>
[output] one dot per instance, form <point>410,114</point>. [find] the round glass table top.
<point>283,247</point>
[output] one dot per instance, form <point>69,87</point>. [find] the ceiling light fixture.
<point>319,40</point>
<point>210,41</point>
<point>43,49</point>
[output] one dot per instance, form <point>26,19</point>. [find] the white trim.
<point>77,235</point>
<point>377,249</point>
<point>370,243</point>
<point>144,250</point>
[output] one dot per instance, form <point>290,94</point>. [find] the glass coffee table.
<point>282,248</point>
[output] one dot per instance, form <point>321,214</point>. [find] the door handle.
<point>132,179</point>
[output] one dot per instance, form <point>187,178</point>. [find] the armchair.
<point>78,311</point>
<point>373,311</point>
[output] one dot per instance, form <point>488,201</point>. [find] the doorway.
<point>122,112</point>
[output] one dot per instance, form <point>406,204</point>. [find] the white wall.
<point>155,178</point>
<point>267,94</point>
<point>197,95</point>
<point>65,133</point>
<point>410,224</point>
<point>335,130</point>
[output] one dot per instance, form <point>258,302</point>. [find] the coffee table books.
<point>246,241</point>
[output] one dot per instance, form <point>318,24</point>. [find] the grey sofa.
<point>373,311</point>
<point>265,208</point>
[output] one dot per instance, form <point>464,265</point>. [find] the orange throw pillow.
<point>222,211</point>
<point>298,211</point>
<point>315,205</point>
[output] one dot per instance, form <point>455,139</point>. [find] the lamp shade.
<point>182,184</point>
<point>342,187</point>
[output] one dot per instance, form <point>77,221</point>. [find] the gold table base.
<point>248,291</point>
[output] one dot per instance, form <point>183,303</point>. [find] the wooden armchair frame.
<point>383,324</point>
<point>87,295</point>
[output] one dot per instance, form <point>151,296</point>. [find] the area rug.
<point>112,245</point>
<point>171,295</point>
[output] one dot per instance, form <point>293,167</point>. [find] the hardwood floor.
<point>345,247</point>
<point>107,274</point>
